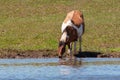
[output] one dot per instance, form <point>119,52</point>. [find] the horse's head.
<point>61,48</point>
<point>62,44</point>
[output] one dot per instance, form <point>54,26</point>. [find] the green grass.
<point>36,24</point>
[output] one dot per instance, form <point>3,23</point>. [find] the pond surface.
<point>52,69</point>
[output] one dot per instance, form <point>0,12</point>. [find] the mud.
<point>27,54</point>
<point>8,53</point>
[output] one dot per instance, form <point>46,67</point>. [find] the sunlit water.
<point>52,69</point>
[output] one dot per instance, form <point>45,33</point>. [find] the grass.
<point>36,24</point>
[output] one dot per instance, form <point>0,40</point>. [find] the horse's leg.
<point>70,50</point>
<point>80,44</point>
<point>75,47</point>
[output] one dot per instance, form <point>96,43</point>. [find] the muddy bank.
<point>50,53</point>
<point>27,54</point>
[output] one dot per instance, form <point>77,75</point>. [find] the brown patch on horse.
<point>69,16</point>
<point>72,33</point>
<point>77,18</point>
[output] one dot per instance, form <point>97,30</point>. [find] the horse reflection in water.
<point>76,62</point>
<point>72,30</point>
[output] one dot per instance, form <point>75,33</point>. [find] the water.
<point>51,69</point>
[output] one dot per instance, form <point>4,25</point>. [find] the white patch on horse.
<point>64,25</point>
<point>64,37</point>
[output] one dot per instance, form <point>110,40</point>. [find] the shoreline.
<point>17,54</point>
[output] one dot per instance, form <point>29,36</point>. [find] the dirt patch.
<point>8,53</point>
<point>27,54</point>
<point>110,55</point>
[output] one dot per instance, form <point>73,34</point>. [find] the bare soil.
<point>8,53</point>
<point>27,54</point>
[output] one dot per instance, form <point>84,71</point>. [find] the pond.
<point>52,69</point>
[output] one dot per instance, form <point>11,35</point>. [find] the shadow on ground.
<point>88,54</point>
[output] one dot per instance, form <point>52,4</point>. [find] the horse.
<point>72,30</point>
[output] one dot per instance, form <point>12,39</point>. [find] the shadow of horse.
<point>88,54</point>
<point>77,60</point>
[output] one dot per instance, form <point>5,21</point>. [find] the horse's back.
<point>75,16</point>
